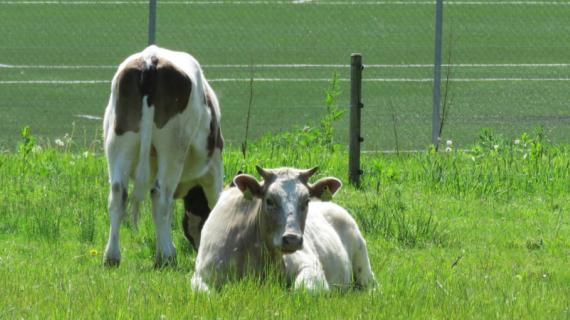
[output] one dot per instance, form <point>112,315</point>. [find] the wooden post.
<point>436,119</point>
<point>356,106</point>
<point>152,22</point>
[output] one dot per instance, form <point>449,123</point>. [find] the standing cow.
<point>162,129</point>
<point>281,223</point>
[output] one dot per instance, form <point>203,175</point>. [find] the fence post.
<point>356,106</point>
<point>152,22</point>
<point>436,120</point>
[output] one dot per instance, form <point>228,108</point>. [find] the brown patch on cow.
<point>172,92</point>
<point>128,109</point>
<point>168,90</point>
<point>215,138</point>
<point>195,203</point>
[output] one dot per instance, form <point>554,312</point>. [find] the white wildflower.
<point>37,149</point>
<point>67,138</point>
<point>59,142</point>
<point>448,149</point>
<point>496,147</point>
<point>449,143</point>
<point>517,142</point>
<point>86,154</point>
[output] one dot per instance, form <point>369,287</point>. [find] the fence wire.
<point>506,64</point>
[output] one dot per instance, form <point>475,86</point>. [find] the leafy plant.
<point>27,143</point>
<point>333,114</point>
<point>321,136</point>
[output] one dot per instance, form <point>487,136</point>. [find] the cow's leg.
<point>312,279</point>
<point>306,271</point>
<point>171,157</point>
<point>162,202</point>
<point>195,215</point>
<point>201,200</point>
<point>120,151</point>
<point>198,284</point>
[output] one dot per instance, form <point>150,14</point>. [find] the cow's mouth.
<point>288,251</point>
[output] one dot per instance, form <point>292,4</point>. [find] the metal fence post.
<point>152,22</point>
<point>356,106</point>
<point>436,120</point>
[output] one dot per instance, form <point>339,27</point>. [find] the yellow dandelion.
<point>93,252</point>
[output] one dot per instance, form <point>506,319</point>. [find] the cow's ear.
<point>233,184</point>
<point>325,188</point>
<point>248,185</point>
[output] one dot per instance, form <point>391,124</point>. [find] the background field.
<point>509,71</point>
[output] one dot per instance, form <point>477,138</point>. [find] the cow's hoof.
<point>111,262</point>
<point>164,262</point>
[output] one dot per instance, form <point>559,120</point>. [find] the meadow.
<point>509,64</point>
<point>479,229</point>
<point>477,233</point>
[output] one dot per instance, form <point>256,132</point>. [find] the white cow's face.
<point>285,194</point>
<point>284,209</point>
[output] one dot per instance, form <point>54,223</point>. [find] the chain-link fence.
<point>506,64</point>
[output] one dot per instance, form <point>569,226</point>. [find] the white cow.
<point>281,223</point>
<point>162,128</point>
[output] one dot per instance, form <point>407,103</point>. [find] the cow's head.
<point>285,194</point>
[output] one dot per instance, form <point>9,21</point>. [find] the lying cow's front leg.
<point>306,272</point>
<point>311,279</point>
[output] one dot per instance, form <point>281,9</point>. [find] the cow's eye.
<point>269,202</point>
<point>305,204</point>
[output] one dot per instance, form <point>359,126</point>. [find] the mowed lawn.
<point>510,64</point>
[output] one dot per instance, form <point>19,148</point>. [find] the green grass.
<point>104,34</point>
<point>482,233</point>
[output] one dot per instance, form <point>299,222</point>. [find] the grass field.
<point>481,234</point>
<point>510,64</point>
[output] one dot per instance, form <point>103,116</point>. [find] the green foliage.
<point>321,136</point>
<point>27,142</point>
<point>334,113</point>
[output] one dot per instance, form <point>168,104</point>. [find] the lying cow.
<point>162,128</point>
<point>281,223</point>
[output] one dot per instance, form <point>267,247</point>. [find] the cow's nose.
<point>292,242</point>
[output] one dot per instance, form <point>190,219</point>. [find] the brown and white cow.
<point>162,129</point>
<point>282,224</point>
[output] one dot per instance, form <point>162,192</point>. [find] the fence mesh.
<point>506,64</point>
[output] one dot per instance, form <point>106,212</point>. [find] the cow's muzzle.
<point>291,243</point>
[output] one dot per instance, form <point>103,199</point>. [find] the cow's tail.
<point>142,175</point>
